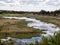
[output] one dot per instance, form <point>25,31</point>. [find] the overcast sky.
<point>29,5</point>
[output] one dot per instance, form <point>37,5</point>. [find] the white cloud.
<point>54,2</point>
<point>29,5</point>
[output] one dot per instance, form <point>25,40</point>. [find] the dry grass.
<point>17,29</point>
<point>12,25</point>
<point>50,19</point>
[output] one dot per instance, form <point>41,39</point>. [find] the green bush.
<point>55,40</point>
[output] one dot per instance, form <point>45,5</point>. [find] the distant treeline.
<point>42,12</point>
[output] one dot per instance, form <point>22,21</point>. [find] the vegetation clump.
<point>55,40</point>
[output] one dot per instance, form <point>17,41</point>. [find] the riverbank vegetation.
<point>7,43</point>
<point>55,40</point>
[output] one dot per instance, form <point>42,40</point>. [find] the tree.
<point>43,12</point>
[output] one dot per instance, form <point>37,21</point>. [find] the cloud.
<point>29,5</point>
<point>53,2</point>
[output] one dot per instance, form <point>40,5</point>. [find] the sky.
<point>30,5</point>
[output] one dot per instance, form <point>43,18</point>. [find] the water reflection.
<point>49,28</point>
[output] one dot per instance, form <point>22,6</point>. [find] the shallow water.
<point>49,28</point>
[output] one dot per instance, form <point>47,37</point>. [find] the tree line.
<point>42,12</point>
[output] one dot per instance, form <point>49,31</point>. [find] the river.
<point>49,28</point>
